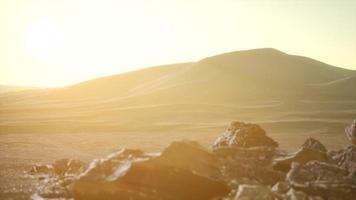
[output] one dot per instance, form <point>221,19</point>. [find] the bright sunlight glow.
<point>43,39</point>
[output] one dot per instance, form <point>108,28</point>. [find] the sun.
<point>43,39</point>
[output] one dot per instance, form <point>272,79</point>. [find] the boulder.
<point>191,156</point>
<point>172,175</point>
<point>344,158</point>
<point>246,165</point>
<point>322,179</point>
<point>258,155</point>
<point>310,150</point>
<point>256,173</point>
<point>240,134</point>
<point>113,166</point>
<point>314,144</point>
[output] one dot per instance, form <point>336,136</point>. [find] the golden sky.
<point>56,43</point>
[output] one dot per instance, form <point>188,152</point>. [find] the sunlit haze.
<point>58,43</point>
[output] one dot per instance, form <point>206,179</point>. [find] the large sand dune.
<point>263,85</point>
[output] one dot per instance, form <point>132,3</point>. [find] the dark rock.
<point>241,172</point>
<point>322,179</point>
<point>345,158</point>
<point>131,174</point>
<point>246,165</point>
<point>109,168</point>
<point>241,134</point>
<point>311,149</point>
<point>258,155</point>
<point>190,156</point>
<point>314,144</point>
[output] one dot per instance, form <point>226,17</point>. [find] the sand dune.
<point>255,85</point>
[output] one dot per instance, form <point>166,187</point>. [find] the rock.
<point>322,179</point>
<point>190,156</point>
<point>254,192</point>
<point>345,158</point>
<point>314,144</point>
<point>351,132</point>
<point>113,166</point>
<point>310,150</point>
<point>245,165</point>
<point>258,155</point>
<point>316,171</point>
<point>131,174</point>
<point>241,134</point>
<point>68,166</point>
<point>241,172</point>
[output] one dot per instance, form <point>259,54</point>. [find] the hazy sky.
<point>56,43</point>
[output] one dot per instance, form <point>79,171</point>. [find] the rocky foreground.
<point>244,163</point>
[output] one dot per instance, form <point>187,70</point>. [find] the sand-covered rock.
<point>240,134</point>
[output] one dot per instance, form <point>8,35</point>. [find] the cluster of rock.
<point>244,163</point>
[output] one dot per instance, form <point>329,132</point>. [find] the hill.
<point>288,95</point>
